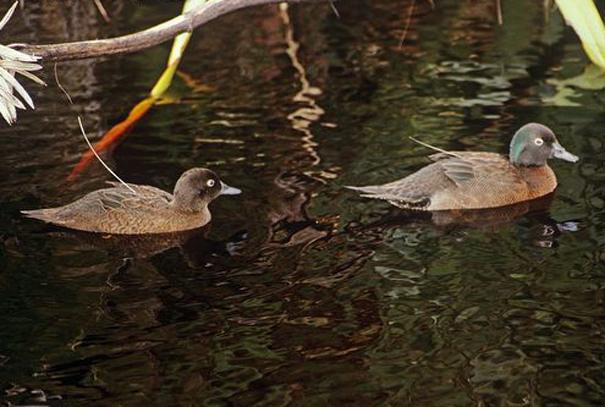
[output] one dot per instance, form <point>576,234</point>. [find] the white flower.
<point>11,62</point>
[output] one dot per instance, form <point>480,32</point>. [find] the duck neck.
<point>532,165</point>
<point>189,205</point>
<point>525,159</point>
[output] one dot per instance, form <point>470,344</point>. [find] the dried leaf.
<point>8,15</point>
<point>9,53</point>
<point>18,87</point>
<point>12,62</point>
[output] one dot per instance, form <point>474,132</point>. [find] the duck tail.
<point>404,202</point>
<point>46,215</point>
<point>372,191</point>
<point>367,191</point>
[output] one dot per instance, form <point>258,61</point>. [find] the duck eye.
<point>539,141</point>
<point>210,183</point>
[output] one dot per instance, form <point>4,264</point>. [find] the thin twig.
<point>407,24</point>
<point>334,9</point>
<point>60,86</point>
<point>99,158</point>
<point>422,143</point>
<point>102,10</point>
<point>499,12</point>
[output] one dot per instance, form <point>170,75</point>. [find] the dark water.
<point>302,293</point>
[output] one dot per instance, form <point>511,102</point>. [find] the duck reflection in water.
<point>194,245</point>
<point>544,229</point>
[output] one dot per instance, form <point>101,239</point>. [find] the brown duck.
<point>142,209</point>
<point>476,180</point>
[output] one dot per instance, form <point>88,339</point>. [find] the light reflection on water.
<point>300,292</point>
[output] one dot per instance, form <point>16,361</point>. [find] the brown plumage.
<point>475,180</point>
<point>118,210</point>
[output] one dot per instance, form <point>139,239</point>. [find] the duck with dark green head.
<point>476,180</point>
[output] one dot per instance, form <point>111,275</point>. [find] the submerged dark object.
<point>477,180</point>
<point>119,210</point>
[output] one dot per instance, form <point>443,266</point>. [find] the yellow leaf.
<point>176,53</point>
<point>164,82</point>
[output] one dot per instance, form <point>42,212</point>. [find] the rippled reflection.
<point>301,293</point>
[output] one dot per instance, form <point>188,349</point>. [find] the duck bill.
<point>562,154</point>
<point>227,190</point>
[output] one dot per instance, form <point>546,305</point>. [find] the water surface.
<point>301,293</point>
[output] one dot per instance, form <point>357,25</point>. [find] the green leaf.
<point>586,21</point>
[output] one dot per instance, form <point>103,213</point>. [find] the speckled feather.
<point>479,180</point>
<point>119,210</point>
<point>469,180</point>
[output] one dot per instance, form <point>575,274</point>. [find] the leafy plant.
<point>584,17</point>
<point>12,62</point>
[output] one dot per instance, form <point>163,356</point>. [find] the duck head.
<point>197,187</point>
<point>533,144</point>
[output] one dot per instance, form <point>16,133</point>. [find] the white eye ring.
<point>539,141</point>
<point>210,183</point>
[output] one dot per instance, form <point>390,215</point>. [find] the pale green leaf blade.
<point>586,21</point>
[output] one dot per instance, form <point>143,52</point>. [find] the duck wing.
<point>458,170</point>
<point>121,198</point>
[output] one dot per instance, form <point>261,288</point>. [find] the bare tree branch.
<point>146,38</point>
